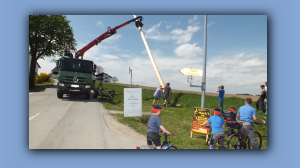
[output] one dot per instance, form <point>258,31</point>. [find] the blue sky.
<point>236,49</point>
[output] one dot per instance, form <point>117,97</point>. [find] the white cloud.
<point>168,26</point>
<point>193,20</point>
<point>184,36</point>
<point>46,65</point>
<point>240,73</point>
<point>108,56</point>
<point>154,33</point>
<point>124,55</point>
<point>99,23</point>
<point>210,24</point>
<point>179,35</point>
<point>188,50</point>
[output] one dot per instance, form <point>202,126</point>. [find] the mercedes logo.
<point>75,79</point>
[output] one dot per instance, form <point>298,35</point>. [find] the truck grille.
<point>80,79</point>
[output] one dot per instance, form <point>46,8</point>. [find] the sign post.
<point>200,116</point>
<point>132,102</point>
<point>191,73</point>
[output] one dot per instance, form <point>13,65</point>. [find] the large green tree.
<point>48,35</point>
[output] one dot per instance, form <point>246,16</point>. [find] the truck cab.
<point>75,76</point>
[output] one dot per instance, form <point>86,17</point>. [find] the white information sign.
<point>190,79</point>
<point>132,102</point>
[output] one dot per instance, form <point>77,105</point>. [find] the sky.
<point>236,49</point>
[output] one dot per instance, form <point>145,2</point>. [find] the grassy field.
<point>177,120</point>
<point>42,86</point>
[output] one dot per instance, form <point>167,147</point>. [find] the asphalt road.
<point>71,123</point>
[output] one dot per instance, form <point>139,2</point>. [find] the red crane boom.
<point>107,34</point>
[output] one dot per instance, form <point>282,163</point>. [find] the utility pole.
<point>130,72</point>
<point>204,65</point>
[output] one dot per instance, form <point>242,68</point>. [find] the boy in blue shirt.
<point>217,126</point>
<point>154,125</point>
<point>221,91</point>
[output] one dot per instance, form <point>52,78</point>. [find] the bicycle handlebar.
<point>240,122</point>
<point>206,126</point>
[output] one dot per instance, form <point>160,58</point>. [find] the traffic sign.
<point>191,72</point>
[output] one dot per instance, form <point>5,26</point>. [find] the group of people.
<point>246,114</point>
<point>166,94</point>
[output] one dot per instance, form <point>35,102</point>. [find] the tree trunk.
<point>32,71</point>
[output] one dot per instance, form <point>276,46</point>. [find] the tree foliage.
<point>99,69</point>
<point>114,79</point>
<point>48,35</point>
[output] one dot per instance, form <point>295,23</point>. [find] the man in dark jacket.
<point>260,101</point>
<point>167,91</point>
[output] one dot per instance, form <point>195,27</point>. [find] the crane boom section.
<point>105,35</point>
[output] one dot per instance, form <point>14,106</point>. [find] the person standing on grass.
<point>260,101</point>
<point>266,97</point>
<point>247,114</point>
<point>221,91</point>
<point>217,126</point>
<point>167,91</point>
<point>157,94</point>
<point>154,125</point>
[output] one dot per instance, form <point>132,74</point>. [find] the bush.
<point>49,76</point>
<point>44,76</point>
<point>36,80</point>
<point>40,79</point>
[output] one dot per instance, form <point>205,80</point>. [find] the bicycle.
<point>164,145</point>
<point>210,140</point>
<point>236,141</point>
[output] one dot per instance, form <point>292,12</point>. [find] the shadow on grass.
<point>147,99</point>
<point>177,97</point>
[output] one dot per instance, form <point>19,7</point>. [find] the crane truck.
<point>76,76</point>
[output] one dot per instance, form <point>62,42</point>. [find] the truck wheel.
<point>87,96</point>
<point>95,95</point>
<point>60,95</point>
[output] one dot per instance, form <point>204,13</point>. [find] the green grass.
<point>177,120</point>
<point>42,86</point>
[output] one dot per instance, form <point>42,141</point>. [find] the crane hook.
<point>139,23</point>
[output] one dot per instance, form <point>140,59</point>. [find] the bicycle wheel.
<point>172,147</point>
<point>233,142</point>
<point>208,140</point>
<point>150,146</point>
<point>222,147</point>
<point>258,138</point>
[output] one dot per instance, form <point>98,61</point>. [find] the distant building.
<point>54,72</point>
<point>104,77</point>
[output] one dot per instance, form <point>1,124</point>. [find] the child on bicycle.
<point>217,126</point>
<point>154,125</point>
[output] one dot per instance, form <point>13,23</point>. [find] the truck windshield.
<point>76,66</point>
